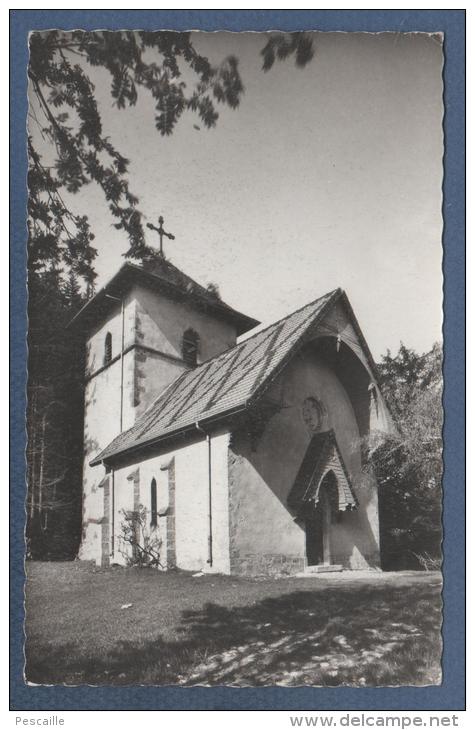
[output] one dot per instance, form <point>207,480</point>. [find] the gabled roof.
<point>322,455</point>
<point>159,275</point>
<point>224,385</point>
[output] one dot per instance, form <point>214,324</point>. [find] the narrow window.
<point>108,348</point>
<point>190,347</point>
<point>153,503</point>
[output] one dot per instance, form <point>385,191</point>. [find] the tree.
<point>140,543</point>
<point>154,62</point>
<point>54,417</point>
<point>409,464</point>
<point>213,289</point>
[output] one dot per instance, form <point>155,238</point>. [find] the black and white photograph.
<point>234,397</point>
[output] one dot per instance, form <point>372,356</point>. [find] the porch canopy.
<point>322,456</point>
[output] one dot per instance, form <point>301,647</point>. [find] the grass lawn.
<point>365,630</point>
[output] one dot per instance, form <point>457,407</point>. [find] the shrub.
<point>141,543</point>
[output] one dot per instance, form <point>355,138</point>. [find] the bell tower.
<point>142,330</point>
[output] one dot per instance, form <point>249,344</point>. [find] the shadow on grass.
<point>363,635</point>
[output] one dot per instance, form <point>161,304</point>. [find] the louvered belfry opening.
<point>190,346</point>
<point>107,348</point>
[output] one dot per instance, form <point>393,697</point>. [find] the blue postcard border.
<point>451,693</point>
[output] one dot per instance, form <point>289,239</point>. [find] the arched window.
<point>190,344</point>
<point>153,503</point>
<point>108,348</point>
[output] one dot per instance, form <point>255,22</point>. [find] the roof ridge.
<point>164,262</point>
<point>164,274</point>
<point>201,289</point>
<point>272,324</point>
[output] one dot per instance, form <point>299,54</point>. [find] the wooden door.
<point>314,537</point>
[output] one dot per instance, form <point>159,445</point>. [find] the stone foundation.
<point>370,561</point>
<point>267,564</point>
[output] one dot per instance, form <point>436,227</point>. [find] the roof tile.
<point>322,455</point>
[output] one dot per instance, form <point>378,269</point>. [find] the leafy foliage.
<point>58,240</point>
<point>280,46</point>
<point>136,61</point>
<point>213,289</point>
<point>409,464</point>
<point>151,61</point>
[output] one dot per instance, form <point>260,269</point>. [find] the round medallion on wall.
<point>313,413</point>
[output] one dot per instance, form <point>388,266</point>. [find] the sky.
<point>328,176</point>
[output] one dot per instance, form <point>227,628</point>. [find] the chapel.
<point>246,449</point>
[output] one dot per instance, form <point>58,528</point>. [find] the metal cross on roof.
<point>161,232</point>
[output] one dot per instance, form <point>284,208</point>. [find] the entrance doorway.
<point>318,523</point>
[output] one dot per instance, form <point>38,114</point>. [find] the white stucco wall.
<point>162,322</point>
<point>191,500</point>
<point>102,416</point>
<point>112,323</point>
<point>262,479</point>
<point>153,330</point>
<point>192,508</point>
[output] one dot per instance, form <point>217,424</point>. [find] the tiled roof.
<point>167,272</point>
<point>158,273</point>
<point>322,455</point>
<point>224,384</point>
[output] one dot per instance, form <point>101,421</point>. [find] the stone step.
<point>313,569</point>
